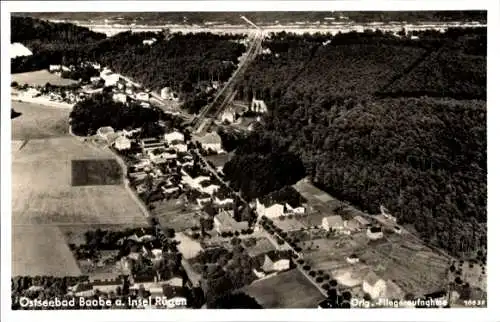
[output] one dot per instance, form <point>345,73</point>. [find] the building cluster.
<point>139,275</point>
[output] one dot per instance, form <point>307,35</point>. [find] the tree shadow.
<point>14,114</point>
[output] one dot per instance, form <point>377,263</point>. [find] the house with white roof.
<point>273,211</point>
<point>122,143</point>
<point>333,223</point>
<point>172,137</point>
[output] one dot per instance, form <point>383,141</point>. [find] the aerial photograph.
<point>252,160</point>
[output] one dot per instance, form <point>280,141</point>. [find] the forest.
<point>180,61</point>
<point>423,157</point>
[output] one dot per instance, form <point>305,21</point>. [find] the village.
<point>194,211</point>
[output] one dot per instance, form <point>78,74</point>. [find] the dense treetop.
<point>424,158</point>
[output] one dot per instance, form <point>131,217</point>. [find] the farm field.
<point>38,122</point>
<point>286,290</point>
<point>41,250</point>
<point>44,200</point>
<point>95,172</point>
<point>41,77</point>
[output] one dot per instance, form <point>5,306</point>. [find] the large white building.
<point>258,106</point>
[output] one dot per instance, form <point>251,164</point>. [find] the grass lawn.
<point>170,213</point>
<point>41,77</point>
<point>286,290</point>
<point>263,245</point>
<point>288,224</point>
<point>95,172</point>
<point>44,200</point>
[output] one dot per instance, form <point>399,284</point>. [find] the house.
<point>210,189</point>
<point>273,211</point>
<point>228,116</point>
<point>296,211</point>
<point>387,215</point>
<point>55,68</point>
<point>374,286</point>
<point>333,223</point>
<point>95,80</point>
<point>33,92</point>
<point>223,202</point>
<point>180,147</point>
<point>19,50</point>
<point>110,78</point>
<point>276,261</point>
<point>81,289</point>
<point>266,51</point>
<point>172,137</point>
<point>210,141</point>
<point>169,191</point>
<point>142,96</point>
<point>122,143</point>
<point>151,144</point>
<point>120,97</point>
<point>223,222</point>
<point>352,259</point>
<point>131,133</point>
<point>202,201</point>
<point>105,131</point>
<point>149,42</point>
<point>165,93</point>
<point>374,233</point>
<point>357,223</point>
<point>363,222</point>
<point>258,106</point>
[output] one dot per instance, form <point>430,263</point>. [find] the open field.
<point>95,172</point>
<point>41,77</point>
<point>38,122</point>
<point>41,250</point>
<point>44,200</point>
<point>414,272</point>
<point>286,290</point>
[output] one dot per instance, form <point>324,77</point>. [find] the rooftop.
<point>335,220</point>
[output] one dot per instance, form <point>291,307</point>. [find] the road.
<point>225,95</point>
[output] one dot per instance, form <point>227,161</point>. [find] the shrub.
<point>333,283</point>
<point>280,241</point>
<point>312,273</point>
<point>325,286</point>
<point>236,233</point>
<point>307,267</point>
<point>319,279</point>
<point>326,277</point>
<point>300,261</point>
<point>298,249</point>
